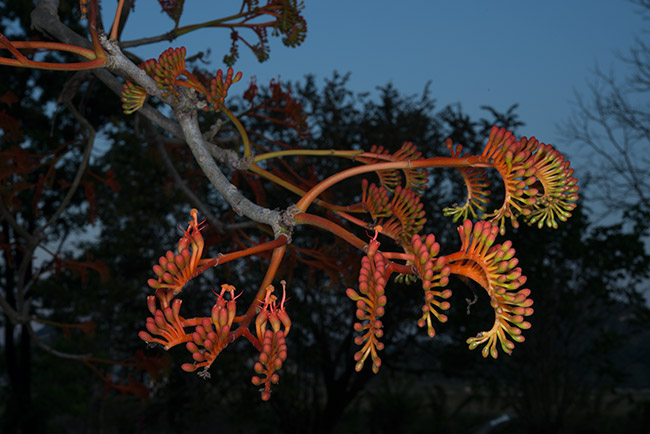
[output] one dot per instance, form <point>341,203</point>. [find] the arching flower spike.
<point>494,267</point>
<point>273,347</point>
<point>174,270</point>
<point>370,302</point>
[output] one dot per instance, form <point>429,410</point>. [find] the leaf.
<point>10,127</point>
<point>173,8</point>
<point>9,98</point>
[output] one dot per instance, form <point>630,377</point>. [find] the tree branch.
<point>80,170</point>
<point>51,350</point>
<point>45,19</point>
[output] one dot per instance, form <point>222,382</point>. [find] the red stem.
<point>398,256</point>
<point>219,260</point>
<point>92,27</point>
<point>116,20</point>
<point>472,161</point>
<point>276,258</point>
<point>322,223</point>
<point>397,268</point>
<point>252,339</point>
<point>353,219</point>
<point>462,269</point>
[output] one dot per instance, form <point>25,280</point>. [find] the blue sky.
<point>497,52</point>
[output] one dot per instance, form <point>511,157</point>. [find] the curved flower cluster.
<point>175,270</point>
<point>538,171</point>
<point>415,179</point>
<point>434,274</point>
<point>273,347</point>
<point>511,158</point>
<point>169,67</point>
<point>399,219</point>
<point>476,182</point>
<point>370,302</point>
<point>219,87</point>
<point>375,200</point>
<point>133,97</point>
<point>207,343</point>
<point>166,323</point>
<point>494,267</point>
<point>407,216</point>
<point>538,182</point>
<point>560,187</point>
<point>170,73</point>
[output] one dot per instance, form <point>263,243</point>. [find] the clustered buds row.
<point>174,270</point>
<point>273,351</point>
<point>207,342</point>
<point>434,274</point>
<point>414,179</point>
<point>477,184</point>
<point>170,74</point>
<point>539,183</point>
<point>499,274</point>
<point>165,323</point>
<point>370,301</point>
<point>399,218</point>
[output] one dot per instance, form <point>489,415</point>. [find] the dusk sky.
<point>475,53</point>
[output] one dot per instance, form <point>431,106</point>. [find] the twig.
<point>51,350</point>
<point>80,170</point>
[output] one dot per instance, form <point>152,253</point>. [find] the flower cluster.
<point>170,74</point>
<point>494,267</point>
<point>434,274</point>
<point>370,302</point>
<point>207,342</point>
<point>273,347</point>
<point>174,270</point>
<point>539,187</point>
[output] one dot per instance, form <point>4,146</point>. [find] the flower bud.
<point>188,367</point>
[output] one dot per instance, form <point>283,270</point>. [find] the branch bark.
<point>46,20</point>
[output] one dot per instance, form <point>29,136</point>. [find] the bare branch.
<point>80,170</point>
<point>187,117</point>
<point>46,20</point>
<point>51,350</point>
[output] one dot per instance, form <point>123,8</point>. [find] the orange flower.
<point>273,347</point>
<point>370,301</point>
<point>175,270</point>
